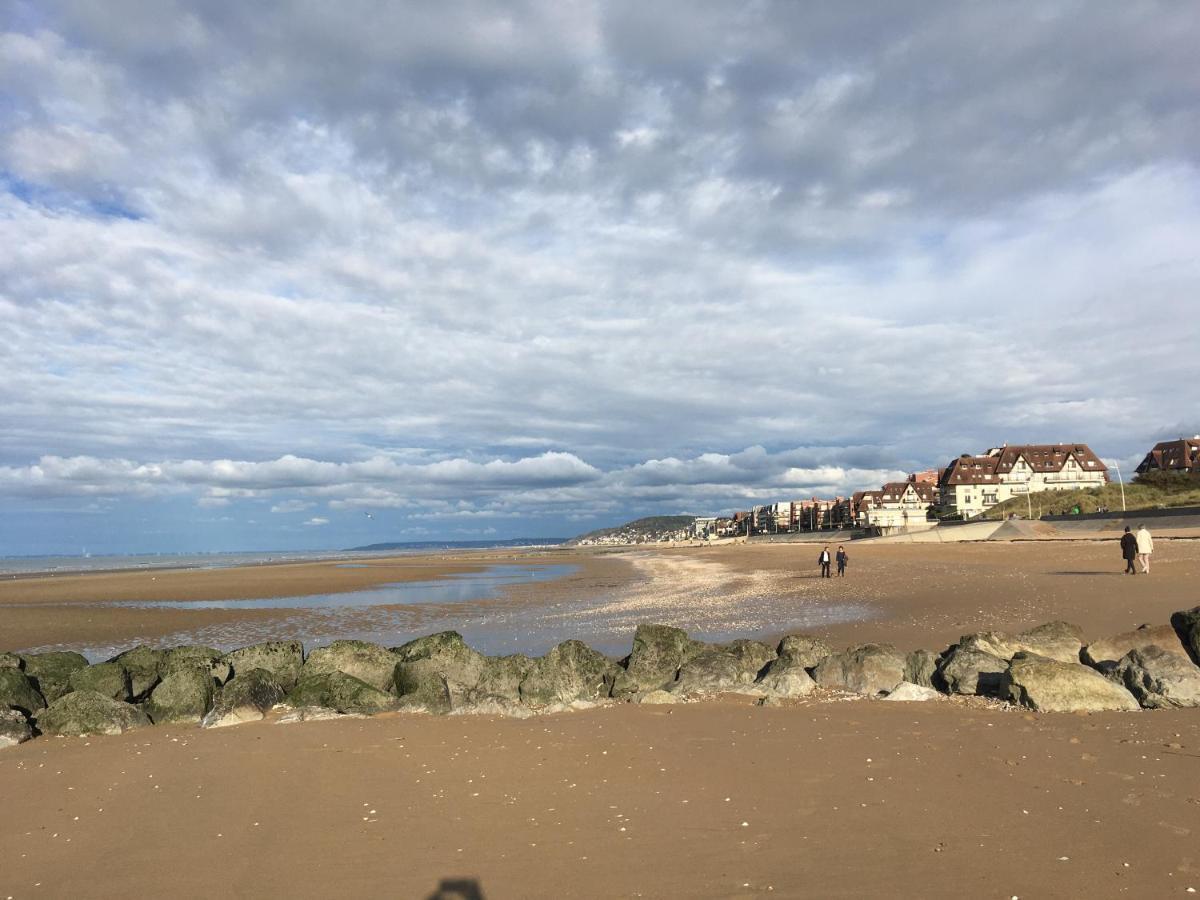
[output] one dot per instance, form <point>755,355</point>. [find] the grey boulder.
<point>14,728</point>
<point>570,672</point>
<point>437,672</point>
<point>1187,625</point>
<point>283,659</point>
<point>966,670</point>
<point>246,697</point>
<point>367,662</point>
<point>144,666</point>
<point>919,667</point>
<point>51,672</point>
<point>500,681</point>
<point>1159,679</point>
<point>87,712</point>
<point>1060,641</point>
<point>1048,685</point>
<point>725,667</point>
<point>908,692</point>
<point>1105,654</point>
<point>109,678</point>
<point>195,656</point>
<point>867,669</point>
<point>786,681</point>
<point>9,661</point>
<point>803,650</point>
<point>184,695</point>
<point>341,692</point>
<point>17,692</point>
<point>659,651</point>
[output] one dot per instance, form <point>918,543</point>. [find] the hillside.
<point>1137,496</point>
<point>650,529</point>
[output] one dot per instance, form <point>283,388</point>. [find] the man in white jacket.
<point>1145,547</point>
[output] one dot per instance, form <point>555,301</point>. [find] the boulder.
<point>1105,654</point>
<point>9,661</point>
<point>493,705</point>
<point>501,679</point>
<point>144,666</point>
<point>966,670</point>
<point>658,698</point>
<point>435,664</point>
<point>17,692</point>
<point>109,679</point>
<point>804,650</point>
<point>14,728</point>
<point>194,656</point>
<point>570,671</point>
<point>722,668</point>
<point>87,712</point>
<point>786,681</point>
<point>341,692</point>
<point>1158,678</point>
<point>919,667</point>
<point>1054,640</point>
<point>51,672</point>
<point>1187,625</point>
<point>246,697</point>
<point>359,659</point>
<point>283,659</point>
<point>1048,685</point>
<point>867,669</point>
<point>658,653</point>
<point>907,692</point>
<point>184,695</point>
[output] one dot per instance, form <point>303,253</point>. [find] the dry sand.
<point>841,798</point>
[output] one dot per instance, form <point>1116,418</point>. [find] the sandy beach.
<point>821,797</point>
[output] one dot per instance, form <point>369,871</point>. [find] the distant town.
<point>967,488</point>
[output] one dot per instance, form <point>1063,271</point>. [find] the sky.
<point>311,275</point>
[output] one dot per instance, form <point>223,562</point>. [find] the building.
<point>1181,456</point>
<point>970,485</point>
<point>899,504</point>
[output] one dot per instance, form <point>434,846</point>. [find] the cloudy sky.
<point>523,269</point>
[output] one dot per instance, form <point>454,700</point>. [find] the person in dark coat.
<point>1129,551</point>
<point>842,559</point>
<point>826,561</point>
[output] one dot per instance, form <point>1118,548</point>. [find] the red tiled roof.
<point>1182,455</point>
<point>988,468</point>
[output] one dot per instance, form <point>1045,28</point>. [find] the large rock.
<point>1159,679</point>
<point>184,695</point>
<point>501,679</point>
<point>867,669</point>
<point>908,692</point>
<point>144,667</point>
<point>367,662</point>
<point>965,670</point>
<point>786,681</point>
<point>14,728</point>
<point>339,691</point>
<point>919,667</point>
<point>1054,640</point>
<point>1187,625</point>
<point>722,668</point>
<point>195,656</point>
<point>1048,685</point>
<point>804,650</point>
<point>87,712</point>
<point>109,678</point>
<point>51,672</point>
<point>9,661</point>
<point>438,671</point>
<point>18,692</point>
<point>283,659</point>
<point>659,651</point>
<point>571,671</point>
<point>245,698</point>
<point>1105,654</point>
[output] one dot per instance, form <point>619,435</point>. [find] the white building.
<point>973,484</point>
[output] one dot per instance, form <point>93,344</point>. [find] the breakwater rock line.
<point>1048,668</point>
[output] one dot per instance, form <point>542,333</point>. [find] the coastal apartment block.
<point>1182,456</point>
<point>971,485</point>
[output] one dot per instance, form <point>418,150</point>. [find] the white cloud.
<point>316,521</point>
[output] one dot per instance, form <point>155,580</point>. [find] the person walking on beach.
<point>825,560</point>
<point>1145,546</point>
<point>842,559</point>
<point>1129,551</point>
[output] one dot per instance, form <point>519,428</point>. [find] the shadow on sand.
<point>458,889</point>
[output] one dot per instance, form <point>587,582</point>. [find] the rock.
<point>247,697</point>
<point>1054,640</point>
<point>907,692</point>
<point>570,671</point>
<point>658,653</point>
<point>722,668</point>
<point>437,664</point>
<point>10,661</point>
<point>493,705</point>
<point>1158,678</point>
<point>919,667</point>
<point>1105,654</point>
<point>658,697</point>
<point>17,692</point>
<point>1048,685</point>
<point>313,714</point>
<point>195,656</point>
<point>359,659</point>
<point>144,666</point>
<point>337,690</point>
<point>965,670</point>
<point>1187,626</point>
<point>87,712</point>
<point>501,679</point>
<point>867,669</point>
<point>803,650</point>
<point>109,679</point>
<point>791,681</point>
<point>283,659</point>
<point>14,728</point>
<point>51,672</point>
<point>184,695</point>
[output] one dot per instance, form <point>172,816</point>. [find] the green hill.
<point>639,531</point>
<point>1185,492</point>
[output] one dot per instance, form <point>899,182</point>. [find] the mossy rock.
<point>17,692</point>
<point>10,661</point>
<point>183,695</point>
<point>437,664</point>
<point>144,666</point>
<point>570,671</point>
<point>14,728</point>
<point>420,686</point>
<point>196,656</point>
<point>283,659</point>
<point>920,667</point>
<point>87,712</point>
<point>51,672</point>
<point>246,697</point>
<point>341,692</point>
<point>501,678</point>
<point>365,661</point>
<point>110,679</point>
<point>659,651</point>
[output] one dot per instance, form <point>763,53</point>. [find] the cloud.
<point>316,521</point>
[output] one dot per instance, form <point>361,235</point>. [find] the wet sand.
<point>841,797</point>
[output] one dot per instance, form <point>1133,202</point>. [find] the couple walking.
<point>1137,546</point>
<point>825,560</point>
